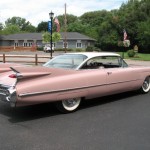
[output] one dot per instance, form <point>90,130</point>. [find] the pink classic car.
<point>67,79</point>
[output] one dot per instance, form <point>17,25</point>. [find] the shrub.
<point>131,53</point>
<point>97,49</point>
<point>92,48</point>
<point>40,48</point>
<point>69,49</point>
<point>58,49</point>
<point>62,49</point>
<point>79,50</point>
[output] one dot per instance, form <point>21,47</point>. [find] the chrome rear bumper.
<point>8,94</point>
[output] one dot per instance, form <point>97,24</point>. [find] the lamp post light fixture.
<point>51,15</point>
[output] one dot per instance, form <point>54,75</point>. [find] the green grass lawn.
<point>138,56</point>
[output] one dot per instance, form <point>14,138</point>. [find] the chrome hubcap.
<point>71,104</point>
<point>146,84</point>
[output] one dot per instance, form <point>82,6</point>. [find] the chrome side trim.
<point>70,89</point>
<point>54,91</point>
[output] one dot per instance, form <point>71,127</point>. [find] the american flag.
<point>124,35</point>
<point>56,21</point>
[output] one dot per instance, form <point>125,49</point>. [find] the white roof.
<point>96,54</point>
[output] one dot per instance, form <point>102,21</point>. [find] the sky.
<point>36,11</point>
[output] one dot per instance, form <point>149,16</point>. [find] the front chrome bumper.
<point>8,94</point>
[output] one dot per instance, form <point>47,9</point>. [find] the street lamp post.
<point>51,15</point>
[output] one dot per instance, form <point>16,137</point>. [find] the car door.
<point>120,80</point>
<point>96,77</point>
<point>96,82</point>
<point>120,77</point>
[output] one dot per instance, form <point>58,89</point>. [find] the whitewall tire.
<point>146,85</point>
<point>69,105</point>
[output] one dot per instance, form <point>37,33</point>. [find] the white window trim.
<point>30,44</point>
<point>27,44</point>
<point>16,44</point>
<point>77,44</point>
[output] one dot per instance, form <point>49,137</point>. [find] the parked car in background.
<point>47,48</point>
<point>70,78</point>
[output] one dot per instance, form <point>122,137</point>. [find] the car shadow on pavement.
<point>27,113</point>
<point>22,114</point>
<point>108,99</point>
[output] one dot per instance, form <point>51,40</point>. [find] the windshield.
<point>67,61</point>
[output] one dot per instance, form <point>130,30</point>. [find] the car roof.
<point>96,54</point>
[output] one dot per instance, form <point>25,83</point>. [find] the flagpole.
<point>65,35</point>
<point>124,39</point>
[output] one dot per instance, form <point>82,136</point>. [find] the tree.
<point>134,15</point>
<point>56,37</point>
<point>1,26</point>
<point>70,19</point>
<point>76,27</point>
<point>108,39</point>
<point>20,22</point>
<point>95,18</point>
<point>46,37</point>
<point>143,36</point>
<point>93,21</point>
<point>42,27</point>
<point>11,29</point>
<point>30,28</point>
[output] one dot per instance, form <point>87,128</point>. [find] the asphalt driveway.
<point>119,122</point>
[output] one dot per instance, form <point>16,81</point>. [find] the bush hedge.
<point>131,53</point>
<point>92,48</point>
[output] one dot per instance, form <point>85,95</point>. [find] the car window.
<point>68,61</point>
<point>104,62</point>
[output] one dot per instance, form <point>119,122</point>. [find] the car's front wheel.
<point>146,85</point>
<point>69,105</point>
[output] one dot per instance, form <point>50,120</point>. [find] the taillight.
<point>13,76</point>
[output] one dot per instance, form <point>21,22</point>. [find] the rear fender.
<point>29,74</point>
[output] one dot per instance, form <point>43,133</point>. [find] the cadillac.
<point>69,78</point>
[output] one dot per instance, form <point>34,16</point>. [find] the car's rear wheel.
<point>69,105</point>
<point>146,85</point>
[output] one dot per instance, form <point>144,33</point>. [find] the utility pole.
<point>51,15</point>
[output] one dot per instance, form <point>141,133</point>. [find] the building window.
<point>16,44</point>
<point>30,44</point>
<point>27,44</point>
<point>78,45</point>
<point>64,44</point>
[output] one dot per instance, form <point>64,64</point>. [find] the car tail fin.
<point>28,72</point>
